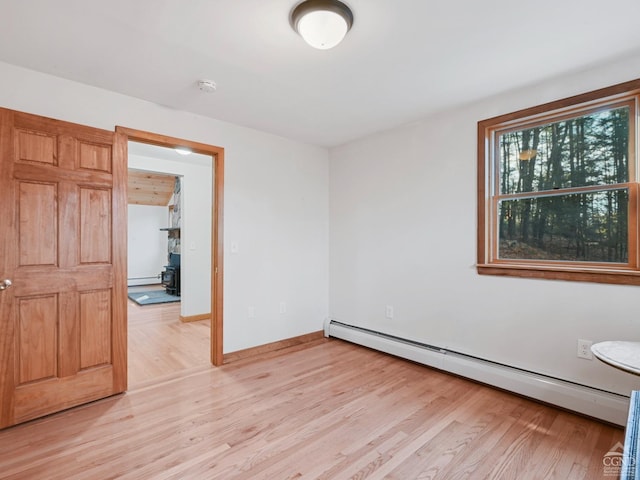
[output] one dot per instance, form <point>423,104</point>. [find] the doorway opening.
<point>191,245</point>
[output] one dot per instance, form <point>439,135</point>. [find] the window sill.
<point>546,272</point>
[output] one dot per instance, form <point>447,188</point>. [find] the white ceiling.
<point>402,60</point>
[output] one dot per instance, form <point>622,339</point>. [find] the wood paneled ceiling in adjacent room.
<point>148,188</point>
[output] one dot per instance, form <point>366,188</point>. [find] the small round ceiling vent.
<point>207,86</point>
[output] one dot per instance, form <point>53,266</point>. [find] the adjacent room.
<point>169,197</point>
<point>319,239</point>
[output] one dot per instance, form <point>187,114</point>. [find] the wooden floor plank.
<point>329,411</point>
<point>160,344</point>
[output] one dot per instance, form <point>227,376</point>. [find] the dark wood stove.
<point>171,275</point>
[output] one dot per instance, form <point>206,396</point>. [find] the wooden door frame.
<point>217,154</point>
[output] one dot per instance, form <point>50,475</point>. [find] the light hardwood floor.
<point>160,344</point>
<point>331,410</point>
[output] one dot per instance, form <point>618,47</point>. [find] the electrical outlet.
<point>584,349</point>
<point>389,311</point>
<point>251,312</point>
<point>283,307</point>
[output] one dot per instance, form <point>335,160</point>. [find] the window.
<point>558,189</point>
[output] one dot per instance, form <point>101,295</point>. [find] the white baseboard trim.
<point>136,282</point>
<point>606,406</point>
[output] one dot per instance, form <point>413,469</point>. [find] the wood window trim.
<point>628,274</point>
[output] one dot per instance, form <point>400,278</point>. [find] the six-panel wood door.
<point>63,247</point>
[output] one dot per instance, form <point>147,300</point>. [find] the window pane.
<point>587,150</point>
<point>585,227</point>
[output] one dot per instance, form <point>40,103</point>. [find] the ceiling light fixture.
<point>183,150</point>
<point>527,154</point>
<point>322,23</point>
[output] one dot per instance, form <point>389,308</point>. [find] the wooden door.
<point>63,247</point>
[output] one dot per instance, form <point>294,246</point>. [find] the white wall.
<point>403,233</point>
<point>147,245</point>
<point>195,231</point>
<point>275,202</point>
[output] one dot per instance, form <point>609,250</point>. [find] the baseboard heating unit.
<point>608,406</point>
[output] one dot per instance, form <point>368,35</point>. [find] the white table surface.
<point>623,355</point>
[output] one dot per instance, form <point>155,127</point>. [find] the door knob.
<point>5,284</point>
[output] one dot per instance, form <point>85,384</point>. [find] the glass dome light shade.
<point>322,23</point>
